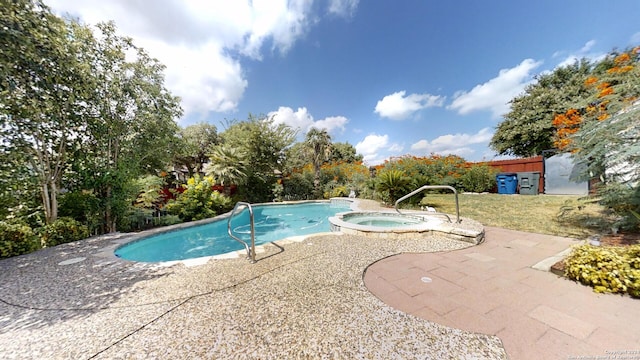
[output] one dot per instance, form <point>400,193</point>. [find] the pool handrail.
<point>455,192</point>
<point>251,252</point>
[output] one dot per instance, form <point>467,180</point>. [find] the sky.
<point>391,78</point>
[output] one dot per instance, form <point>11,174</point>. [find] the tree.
<point>131,124</point>
<point>344,152</point>
<point>602,131</point>
<point>318,146</point>
<point>527,129</point>
<point>195,142</point>
<point>45,80</point>
<point>262,145</point>
<point>296,157</point>
<point>227,165</point>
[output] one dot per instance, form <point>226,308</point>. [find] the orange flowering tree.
<point>603,131</point>
<point>527,129</point>
<point>594,123</point>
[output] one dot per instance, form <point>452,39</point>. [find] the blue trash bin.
<point>507,183</point>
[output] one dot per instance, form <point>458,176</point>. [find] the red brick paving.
<point>492,288</point>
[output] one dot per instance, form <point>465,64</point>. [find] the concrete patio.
<point>300,300</point>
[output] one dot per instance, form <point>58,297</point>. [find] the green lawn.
<point>561,215</point>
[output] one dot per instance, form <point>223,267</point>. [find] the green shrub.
<point>298,186</point>
<point>608,269</point>
<point>393,184</point>
<point>277,191</point>
<point>16,239</point>
<point>199,200</point>
<point>83,206</point>
<point>478,178</point>
<point>166,220</point>
<point>136,219</point>
<point>62,231</point>
<point>623,200</point>
<point>339,191</point>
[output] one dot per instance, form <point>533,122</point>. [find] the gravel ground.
<point>300,300</point>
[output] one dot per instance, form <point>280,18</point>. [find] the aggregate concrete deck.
<point>300,300</point>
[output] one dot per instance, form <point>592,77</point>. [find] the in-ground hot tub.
<point>388,220</point>
<point>396,225</point>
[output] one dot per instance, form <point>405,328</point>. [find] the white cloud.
<point>370,146</point>
<point>583,53</point>
<point>376,148</point>
<point>588,46</point>
<point>457,144</point>
<point>495,94</point>
<point>303,121</point>
<point>397,106</point>
<point>344,8</point>
<point>635,39</point>
<point>396,148</point>
<point>332,123</point>
<point>194,39</point>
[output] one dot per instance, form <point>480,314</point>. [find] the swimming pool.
<point>272,222</point>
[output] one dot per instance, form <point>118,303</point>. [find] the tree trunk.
<point>53,196</point>
<point>109,222</point>
<point>49,194</point>
<point>44,191</point>
<point>316,182</point>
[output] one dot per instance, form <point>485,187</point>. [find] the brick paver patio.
<point>493,289</point>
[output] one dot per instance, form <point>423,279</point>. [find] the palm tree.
<point>227,165</point>
<point>318,144</point>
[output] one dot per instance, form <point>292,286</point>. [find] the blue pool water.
<point>272,222</point>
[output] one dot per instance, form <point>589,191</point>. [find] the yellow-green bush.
<point>62,231</point>
<point>608,269</point>
<point>16,239</point>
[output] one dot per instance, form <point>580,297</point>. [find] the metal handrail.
<point>251,252</point>
<point>455,192</point>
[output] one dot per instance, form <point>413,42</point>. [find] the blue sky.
<point>389,77</point>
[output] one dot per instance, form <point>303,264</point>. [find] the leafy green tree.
<point>262,145</point>
<point>527,129</point>
<point>43,91</point>
<point>193,146</point>
<point>19,188</point>
<point>343,151</point>
<point>318,145</point>
<point>150,191</point>
<point>131,126</point>
<point>296,157</point>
